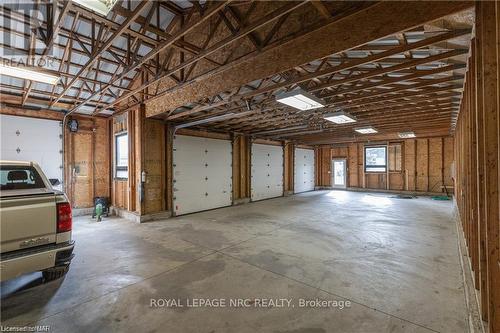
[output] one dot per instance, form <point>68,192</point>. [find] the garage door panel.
<point>267,171</point>
<point>202,174</point>
<point>32,139</point>
<point>303,170</point>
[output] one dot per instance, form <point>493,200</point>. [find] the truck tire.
<point>54,273</point>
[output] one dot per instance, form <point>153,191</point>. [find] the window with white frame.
<point>121,155</point>
<point>376,159</point>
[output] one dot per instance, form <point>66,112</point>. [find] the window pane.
<point>19,178</point>
<point>121,174</point>
<point>375,159</point>
<point>375,156</point>
<point>121,155</point>
<point>375,169</point>
<point>122,150</point>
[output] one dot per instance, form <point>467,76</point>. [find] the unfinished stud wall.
<point>241,167</point>
<point>153,163</point>
<point>288,167</point>
<point>120,190</point>
<point>420,165</point>
<point>477,138</point>
<point>323,158</point>
<point>87,160</point>
<point>148,153</point>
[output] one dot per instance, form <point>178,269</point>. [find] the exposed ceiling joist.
<point>381,20</point>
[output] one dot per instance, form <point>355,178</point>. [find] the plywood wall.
<point>288,167</point>
<point>323,158</point>
<point>147,152</point>
<point>424,164</point>
<point>87,161</point>
<point>241,167</point>
<point>153,158</point>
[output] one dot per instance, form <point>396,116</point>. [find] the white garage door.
<point>303,170</point>
<point>267,171</point>
<point>32,139</point>
<point>202,174</point>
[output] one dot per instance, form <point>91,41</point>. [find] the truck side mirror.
<point>54,181</point>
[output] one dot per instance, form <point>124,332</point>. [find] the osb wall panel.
<point>352,162</point>
<point>410,158</point>
<point>102,163</point>
<point>425,165</point>
<point>288,166</point>
<point>154,165</point>
<point>340,152</point>
<point>241,167</point>
<point>396,181</point>
<point>422,165</point>
<point>435,164</point>
<point>323,158</point>
<point>448,160</point>
<point>395,163</point>
<point>82,170</point>
<point>88,161</point>
<point>376,181</point>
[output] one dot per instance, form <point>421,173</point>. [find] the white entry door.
<point>303,170</point>
<point>32,139</point>
<point>339,173</point>
<point>202,174</point>
<point>267,171</point>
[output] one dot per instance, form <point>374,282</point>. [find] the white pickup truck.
<point>35,223</point>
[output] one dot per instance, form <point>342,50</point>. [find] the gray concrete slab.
<point>395,260</point>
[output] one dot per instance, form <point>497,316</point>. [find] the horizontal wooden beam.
<point>379,20</point>
<point>346,64</point>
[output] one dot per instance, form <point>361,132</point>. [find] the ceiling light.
<point>300,99</point>
<point>406,135</point>
<point>366,130</point>
<point>102,7</point>
<point>340,117</point>
<point>33,74</point>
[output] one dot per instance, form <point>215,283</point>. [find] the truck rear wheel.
<point>54,273</point>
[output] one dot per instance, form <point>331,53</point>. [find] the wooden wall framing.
<point>477,163</point>
<point>147,153</point>
<point>425,165</point>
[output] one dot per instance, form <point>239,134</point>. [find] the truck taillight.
<point>64,218</point>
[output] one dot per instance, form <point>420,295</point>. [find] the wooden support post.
<point>488,19</point>
<point>481,169</point>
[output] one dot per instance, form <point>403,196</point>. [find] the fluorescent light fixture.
<point>340,117</point>
<point>102,7</point>
<point>300,99</point>
<point>406,135</point>
<point>28,73</point>
<point>366,130</point>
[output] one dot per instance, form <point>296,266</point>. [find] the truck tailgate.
<point>27,221</point>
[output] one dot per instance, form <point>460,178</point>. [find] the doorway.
<point>339,172</point>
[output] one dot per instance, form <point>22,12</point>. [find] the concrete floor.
<point>395,260</point>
